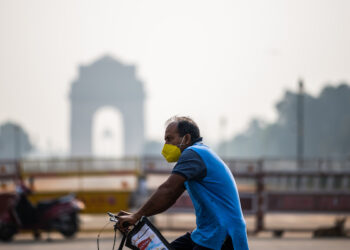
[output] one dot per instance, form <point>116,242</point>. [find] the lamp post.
<point>16,142</point>
<point>300,126</point>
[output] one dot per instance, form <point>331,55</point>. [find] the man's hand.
<point>164,197</point>
<point>125,220</point>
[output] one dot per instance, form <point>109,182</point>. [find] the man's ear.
<point>187,139</point>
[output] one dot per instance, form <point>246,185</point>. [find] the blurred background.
<point>86,88</point>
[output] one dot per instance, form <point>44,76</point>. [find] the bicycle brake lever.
<point>113,219</point>
<point>112,215</point>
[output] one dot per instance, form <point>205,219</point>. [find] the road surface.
<point>87,241</point>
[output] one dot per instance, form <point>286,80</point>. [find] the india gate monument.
<point>106,82</point>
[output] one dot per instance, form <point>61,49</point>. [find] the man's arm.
<point>163,198</point>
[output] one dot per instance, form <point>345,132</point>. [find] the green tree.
<point>326,128</point>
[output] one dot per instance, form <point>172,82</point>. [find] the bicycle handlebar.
<point>114,218</point>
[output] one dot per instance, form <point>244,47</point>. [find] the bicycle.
<point>143,236</point>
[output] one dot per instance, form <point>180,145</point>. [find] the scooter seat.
<point>43,205</point>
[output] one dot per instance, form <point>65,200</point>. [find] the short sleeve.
<point>190,165</point>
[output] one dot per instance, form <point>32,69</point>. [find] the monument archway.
<point>106,82</point>
<point>107,133</point>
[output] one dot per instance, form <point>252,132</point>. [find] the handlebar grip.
<point>126,224</point>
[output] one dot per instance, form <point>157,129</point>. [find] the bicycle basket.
<point>145,236</point>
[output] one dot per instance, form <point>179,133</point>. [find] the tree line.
<point>326,128</point>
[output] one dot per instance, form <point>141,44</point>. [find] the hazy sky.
<point>206,59</point>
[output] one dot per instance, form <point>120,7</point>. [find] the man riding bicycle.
<point>210,184</point>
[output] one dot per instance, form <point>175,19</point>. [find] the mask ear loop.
<point>181,143</point>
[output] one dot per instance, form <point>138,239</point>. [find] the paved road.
<point>290,241</point>
<point>87,241</point>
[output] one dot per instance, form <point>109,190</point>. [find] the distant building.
<point>14,141</point>
<point>106,82</point>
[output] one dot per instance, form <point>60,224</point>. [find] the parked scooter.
<point>51,215</point>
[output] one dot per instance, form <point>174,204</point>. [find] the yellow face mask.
<point>171,152</point>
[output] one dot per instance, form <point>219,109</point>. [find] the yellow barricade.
<point>95,201</point>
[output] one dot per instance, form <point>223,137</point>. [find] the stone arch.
<point>106,82</point>
<point>108,137</point>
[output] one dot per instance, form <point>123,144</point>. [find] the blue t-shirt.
<point>214,195</point>
<point>191,166</point>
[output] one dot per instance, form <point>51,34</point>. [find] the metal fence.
<point>266,186</point>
